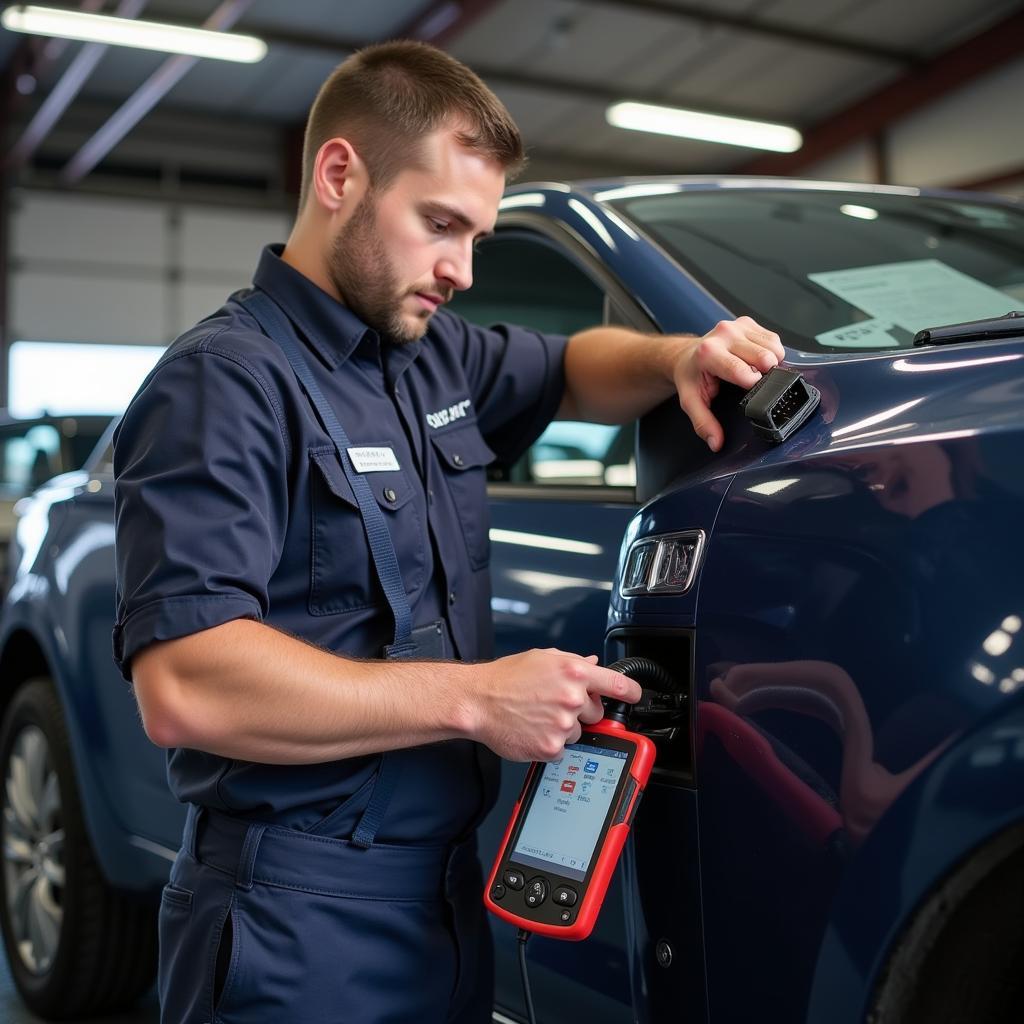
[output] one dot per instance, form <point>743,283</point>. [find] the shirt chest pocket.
<point>464,457</point>
<point>342,574</point>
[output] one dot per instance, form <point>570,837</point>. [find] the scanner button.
<point>564,896</point>
<point>497,891</point>
<point>566,916</point>
<point>536,892</point>
<point>514,880</point>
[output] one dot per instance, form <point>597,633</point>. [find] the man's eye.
<point>440,226</point>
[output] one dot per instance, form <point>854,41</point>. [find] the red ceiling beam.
<point>992,182</point>
<point>948,71</point>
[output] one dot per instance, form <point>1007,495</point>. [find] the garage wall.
<point>127,271</point>
<point>969,135</point>
<point>972,134</point>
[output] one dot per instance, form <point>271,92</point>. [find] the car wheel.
<point>75,946</point>
<point>959,961</point>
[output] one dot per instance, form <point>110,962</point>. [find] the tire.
<point>76,947</point>
<point>959,961</point>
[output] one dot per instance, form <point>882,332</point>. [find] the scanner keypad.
<point>536,891</point>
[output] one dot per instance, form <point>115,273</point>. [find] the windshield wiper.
<point>973,330</point>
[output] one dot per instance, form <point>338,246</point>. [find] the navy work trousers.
<point>320,931</point>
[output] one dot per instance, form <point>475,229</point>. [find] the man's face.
<point>405,251</point>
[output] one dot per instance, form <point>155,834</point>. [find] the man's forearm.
<point>614,375</point>
<point>243,690</point>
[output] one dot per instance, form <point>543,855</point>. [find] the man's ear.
<point>339,176</point>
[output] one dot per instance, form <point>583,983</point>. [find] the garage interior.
<point>183,171</point>
<point>138,187</point>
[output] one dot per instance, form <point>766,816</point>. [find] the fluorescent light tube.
<point>143,35</point>
<point>863,212</point>
<point>692,124</point>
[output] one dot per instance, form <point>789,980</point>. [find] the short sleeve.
<point>517,380</point>
<point>200,495</point>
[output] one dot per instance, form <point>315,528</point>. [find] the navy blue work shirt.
<point>231,503</point>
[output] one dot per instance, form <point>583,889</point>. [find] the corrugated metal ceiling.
<point>556,63</point>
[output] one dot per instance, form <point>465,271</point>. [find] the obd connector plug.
<point>779,403</point>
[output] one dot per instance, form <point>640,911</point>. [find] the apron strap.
<point>383,789</point>
<point>277,327</point>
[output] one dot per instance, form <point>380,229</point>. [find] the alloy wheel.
<point>34,865</point>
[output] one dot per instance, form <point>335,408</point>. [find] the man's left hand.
<point>738,351</point>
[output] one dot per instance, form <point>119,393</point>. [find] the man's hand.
<point>527,707</point>
<point>738,351</point>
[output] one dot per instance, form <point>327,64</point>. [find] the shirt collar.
<point>331,329</point>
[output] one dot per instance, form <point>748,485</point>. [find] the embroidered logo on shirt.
<point>443,417</point>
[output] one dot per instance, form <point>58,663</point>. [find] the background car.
<point>33,449</point>
<point>839,792</point>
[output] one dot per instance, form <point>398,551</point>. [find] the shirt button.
<point>430,495</point>
<point>451,597</point>
<point>457,459</point>
<point>389,494</point>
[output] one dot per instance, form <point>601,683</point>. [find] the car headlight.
<point>662,565</point>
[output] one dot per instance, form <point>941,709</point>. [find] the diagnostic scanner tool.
<point>568,829</point>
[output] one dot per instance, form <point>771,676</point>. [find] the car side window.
<point>29,458</point>
<point>525,279</point>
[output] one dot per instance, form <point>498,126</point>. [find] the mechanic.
<point>308,631</point>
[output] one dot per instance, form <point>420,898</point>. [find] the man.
<point>290,507</point>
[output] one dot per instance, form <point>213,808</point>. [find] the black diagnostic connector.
<point>779,403</point>
<point>660,706</point>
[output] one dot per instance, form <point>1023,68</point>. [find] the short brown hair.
<point>386,97</point>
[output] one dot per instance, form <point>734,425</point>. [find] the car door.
<point>557,520</point>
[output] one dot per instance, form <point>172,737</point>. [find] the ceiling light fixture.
<point>692,124</point>
<point>862,212</point>
<point>143,35</point>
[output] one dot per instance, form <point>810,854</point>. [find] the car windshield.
<point>836,270</point>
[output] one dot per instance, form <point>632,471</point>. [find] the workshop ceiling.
<point>556,64</point>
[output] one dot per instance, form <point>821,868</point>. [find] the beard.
<point>366,280</point>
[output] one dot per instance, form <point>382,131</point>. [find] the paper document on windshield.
<point>863,334</point>
<point>915,294</point>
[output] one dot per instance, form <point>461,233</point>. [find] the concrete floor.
<point>12,1009</point>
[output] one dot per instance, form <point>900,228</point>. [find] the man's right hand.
<point>527,707</point>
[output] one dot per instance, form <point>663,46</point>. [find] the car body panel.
<point>848,591</point>
<point>970,795</point>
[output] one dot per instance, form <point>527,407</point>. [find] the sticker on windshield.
<point>864,334</point>
<point>915,294</point>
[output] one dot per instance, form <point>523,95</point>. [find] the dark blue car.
<point>834,831</point>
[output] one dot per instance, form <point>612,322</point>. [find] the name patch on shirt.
<point>443,417</point>
<point>373,460</point>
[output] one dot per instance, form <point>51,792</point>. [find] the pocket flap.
<point>392,488</point>
<point>464,448</point>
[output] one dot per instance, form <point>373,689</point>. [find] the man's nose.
<point>457,269</point>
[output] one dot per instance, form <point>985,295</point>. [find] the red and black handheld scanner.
<point>570,824</point>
